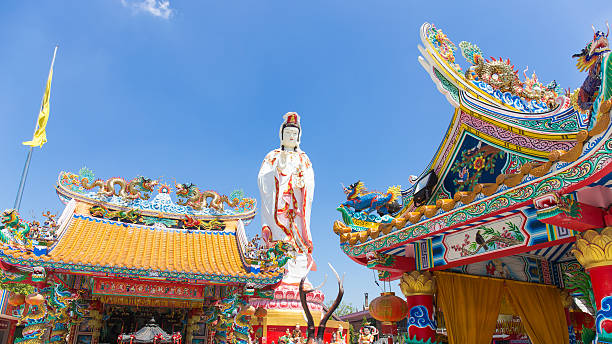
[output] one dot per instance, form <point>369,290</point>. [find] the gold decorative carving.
<point>566,298</point>
<point>340,228</point>
<point>417,283</point>
<point>594,249</point>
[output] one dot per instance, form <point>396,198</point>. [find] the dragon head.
<point>354,190</point>
<point>39,274</point>
<point>184,189</point>
<point>10,218</point>
<point>146,183</point>
<point>596,47</point>
<point>599,44</point>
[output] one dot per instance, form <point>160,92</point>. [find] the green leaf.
<point>18,288</point>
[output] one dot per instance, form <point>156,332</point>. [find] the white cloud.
<point>157,8</point>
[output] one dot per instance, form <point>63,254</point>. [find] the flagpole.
<point>26,167</point>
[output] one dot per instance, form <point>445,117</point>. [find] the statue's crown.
<point>292,118</point>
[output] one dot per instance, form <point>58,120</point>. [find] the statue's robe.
<point>286,183</point>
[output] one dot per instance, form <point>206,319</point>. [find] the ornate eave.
<point>105,248</point>
<point>564,178</point>
<point>557,150</point>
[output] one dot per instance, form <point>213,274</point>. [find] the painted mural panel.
<point>499,235</point>
<point>519,268</point>
<point>511,230</point>
<point>477,162</point>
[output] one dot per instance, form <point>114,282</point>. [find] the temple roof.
<point>506,146</point>
<point>104,247</point>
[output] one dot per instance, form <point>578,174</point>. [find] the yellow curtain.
<point>470,305</point>
<point>541,312</point>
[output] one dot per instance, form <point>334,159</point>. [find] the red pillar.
<point>601,278</point>
<point>593,250</point>
<point>421,324</point>
<point>418,287</point>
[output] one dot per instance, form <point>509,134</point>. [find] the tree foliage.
<point>343,309</point>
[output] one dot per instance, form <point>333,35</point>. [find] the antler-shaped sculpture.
<point>311,327</point>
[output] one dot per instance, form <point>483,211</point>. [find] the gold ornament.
<point>417,283</point>
<point>566,298</point>
<point>594,249</point>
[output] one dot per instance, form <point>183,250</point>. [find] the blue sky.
<point>195,90</point>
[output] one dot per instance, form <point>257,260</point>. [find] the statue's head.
<point>291,131</point>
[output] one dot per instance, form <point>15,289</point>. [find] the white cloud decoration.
<point>157,8</point>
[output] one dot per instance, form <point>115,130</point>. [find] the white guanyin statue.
<point>286,183</point>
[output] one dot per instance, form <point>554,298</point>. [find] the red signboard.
<point>148,289</point>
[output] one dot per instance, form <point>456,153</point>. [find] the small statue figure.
<point>338,337</point>
<point>286,338</point>
<point>297,335</point>
<point>367,334</point>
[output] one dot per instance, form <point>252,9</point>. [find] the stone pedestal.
<point>594,251</point>
<point>419,287</point>
<point>285,311</point>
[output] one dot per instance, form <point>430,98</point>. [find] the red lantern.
<point>16,299</point>
<point>388,308</point>
<point>35,299</point>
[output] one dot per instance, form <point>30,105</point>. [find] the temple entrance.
<point>128,319</point>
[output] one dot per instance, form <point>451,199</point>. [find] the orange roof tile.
<point>98,245</point>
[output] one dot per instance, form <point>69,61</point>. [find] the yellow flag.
<point>40,135</point>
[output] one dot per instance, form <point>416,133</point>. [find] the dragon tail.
<point>93,184</point>
<point>395,192</point>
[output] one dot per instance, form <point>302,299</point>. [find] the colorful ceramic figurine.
<point>367,334</point>
<point>297,336</point>
<point>338,337</point>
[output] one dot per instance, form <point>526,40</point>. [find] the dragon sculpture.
<point>210,315</point>
<point>131,215</point>
<point>12,228</point>
<point>194,223</point>
<point>35,323</point>
<point>359,199</point>
<point>60,302</point>
<point>502,76</point>
<point>195,198</point>
<point>279,254</point>
<point>590,59</point>
<point>241,327</point>
<point>270,256</point>
<point>139,187</point>
<point>230,324</point>
<point>60,310</point>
